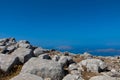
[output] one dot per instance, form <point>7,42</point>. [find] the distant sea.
<point>99,51</point>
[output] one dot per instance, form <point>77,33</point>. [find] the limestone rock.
<point>65,60</point>
<point>24,44</point>
<point>56,58</point>
<point>26,76</point>
<point>73,67</point>
<point>44,68</point>
<point>7,62</point>
<point>72,77</point>
<point>102,78</point>
<point>45,56</point>
<point>94,65</point>
<point>23,54</point>
<point>38,51</point>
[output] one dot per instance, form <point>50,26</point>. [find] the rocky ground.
<point>23,61</point>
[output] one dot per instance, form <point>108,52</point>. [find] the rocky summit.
<point>19,60</point>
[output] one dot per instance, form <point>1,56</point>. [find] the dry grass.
<point>87,75</point>
<point>13,72</point>
<point>78,58</point>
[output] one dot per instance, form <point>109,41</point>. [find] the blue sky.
<point>62,22</point>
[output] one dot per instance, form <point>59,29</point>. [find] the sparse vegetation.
<point>13,72</point>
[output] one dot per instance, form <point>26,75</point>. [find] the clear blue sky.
<point>62,22</point>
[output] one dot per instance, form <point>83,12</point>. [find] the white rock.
<point>44,68</point>
<point>24,44</point>
<point>38,51</point>
<point>65,60</point>
<point>72,77</point>
<point>93,65</point>
<point>102,78</point>
<point>73,67</point>
<point>7,62</point>
<point>23,54</point>
<point>11,48</point>
<point>26,76</point>
<point>56,58</point>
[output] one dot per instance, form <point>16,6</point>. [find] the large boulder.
<point>23,54</point>
<point>72,77</point>
<point>65,60</point>
<point>24,44</point>
<point>7,62</point>
<point>102,78</point>
<point>94,65</point>
<point>26,76</point>
<point>38,51</point>
<point>44,68</point>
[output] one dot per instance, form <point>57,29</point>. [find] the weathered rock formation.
<point>43,64</point>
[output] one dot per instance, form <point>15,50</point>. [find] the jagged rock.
<point>80,67</point>
<point>45,56</point>
<point>56,58</point>
<point>24,41</point>
<point>102,78</point>
<point>38,51</point>
<point>11,48</point>
<point>26,76</point>
<point>94,65</point>
<point>3,49</point>
<point>87,55</point>
<point>112,73</point>
<point>66,53</point>
<point>23,54</point>
<point>7,62</point>
<point>7,41</point>
<point>65,60</point>
<point>44,68</point>
<point>75,72</point>
<point>72,77</point>
<point>24,44</point>
<point>73,67</point>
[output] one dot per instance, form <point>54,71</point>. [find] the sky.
<point>62,22</point>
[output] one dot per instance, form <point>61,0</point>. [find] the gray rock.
<point>24,44</point>
<point>87,55</point>
<point>44,68</point>
<point>112,73</point>
<point>76,72</point>
<point>26,76</point>
<point>7,41</point>
<point>73,67</point>
<point>10,49</point>
<point>24,41</point>
<point>7,62</point>
<point>72,77</point>
<point>56,58</point>
<point>94,65</point>
<point>38,51</point>
<point>45,56</point>
<point>65,60</point>
<point>23,54</point>
<point>102,78</point>
<point>3,42</point>
<point>2,49</point>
